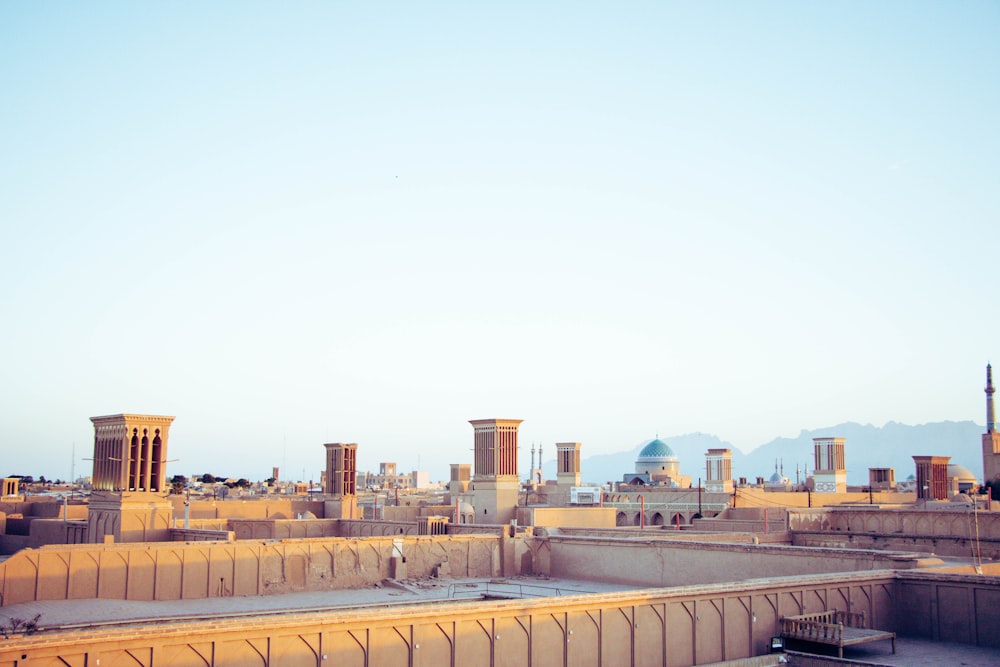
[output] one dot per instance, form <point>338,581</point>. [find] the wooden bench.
<point>834,628</point>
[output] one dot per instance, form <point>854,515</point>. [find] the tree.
<point>177,484</point>
<point>208,478</point>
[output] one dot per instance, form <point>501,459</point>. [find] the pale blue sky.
<point>290,224</point>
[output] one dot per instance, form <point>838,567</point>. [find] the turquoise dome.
<point>656,449</point>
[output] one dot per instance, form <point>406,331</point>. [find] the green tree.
<point>177,484</point>
<point>208,478</point>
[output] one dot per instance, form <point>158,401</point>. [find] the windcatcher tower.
<point>495,481</point>
<point>341,480</point>
<point>130,452</point>
<point>129,502</point>
<point>830,471</point>
<point>991,439</point>
<point>719,471</point>
<point>568,464</point>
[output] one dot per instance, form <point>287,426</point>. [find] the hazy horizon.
<point>308,223</point>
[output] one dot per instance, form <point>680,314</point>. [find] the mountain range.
<point>866,446</point>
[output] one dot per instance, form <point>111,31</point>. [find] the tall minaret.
<point>991,439</point>
<point>990,421</point>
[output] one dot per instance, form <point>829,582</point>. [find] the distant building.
<point>719,471</point>
<point>657,464</point>
<point>881,479</point>
<point>932,477</point>
<point>830,472</point>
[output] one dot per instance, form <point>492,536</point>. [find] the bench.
<point>834,628</point>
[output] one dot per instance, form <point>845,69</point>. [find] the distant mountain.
<point>866,446</point>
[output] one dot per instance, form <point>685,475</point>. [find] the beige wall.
<point>261,508</point>
<point>951,532</point>
<point>172,570</point>
<point>675,563</point>
<point>573,517</point>
<point>673,627</point>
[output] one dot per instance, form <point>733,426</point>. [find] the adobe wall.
<point>578,517</point>
<point>283,529</point>
<point>943,607</point>
<point>367,528</point>
<point>41,532</point>
<point>676,627</point>
<point>657,563</point>
<point>173,570</point>
<point>949,532</point>
<point>201,535</point>
<point>239,508</point>
<point>654,533</point>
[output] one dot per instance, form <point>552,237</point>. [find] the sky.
<point>295,223</point>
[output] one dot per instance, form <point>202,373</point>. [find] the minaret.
<point>990,420</point>
<point>991,439</point>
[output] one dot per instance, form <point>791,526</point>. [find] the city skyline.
<point>291,226</point>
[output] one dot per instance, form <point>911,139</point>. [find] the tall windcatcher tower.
<point>568,464</point>
<point>991,439</point>
<point>340,484</point>
<point>129,501</point>
<point>130,452</point>
<point>495,481</point>
<point>830,472</point>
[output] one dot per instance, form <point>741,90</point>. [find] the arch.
<point>621,519</point>
<point>637,520</point>
<point>677,519</point>
<point>657,519</point>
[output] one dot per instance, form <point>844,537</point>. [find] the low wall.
<point>637,562</point>
<point>283,529</point>
<point>943,607</point>
<point>948,532</point>
<point>39,532</point>
<point>366,528</point>
<point>655,533</point>
<point>173,571</point>
<point>199,535</point>
<point>263,508</point>
<point>676,627</point>
<point>579,517</point>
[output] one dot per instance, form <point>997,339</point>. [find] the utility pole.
<point>699,496</point>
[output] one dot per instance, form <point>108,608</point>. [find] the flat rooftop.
<point>912,652</point>
<point>93,613</point>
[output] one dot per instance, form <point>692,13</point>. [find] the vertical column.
<point>146,458</point>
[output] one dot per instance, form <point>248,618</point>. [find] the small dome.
<point>776,477</point>
<point>657,449</point>
<point>963,473</point>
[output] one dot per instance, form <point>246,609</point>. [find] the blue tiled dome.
<point>656,449</point>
